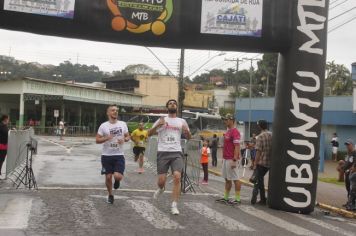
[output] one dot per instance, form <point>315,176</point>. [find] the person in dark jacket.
<point>4,132</point>
<point>351,206</point>
<point>349,161</point>
<point>214,150</point>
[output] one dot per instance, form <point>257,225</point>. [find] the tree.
<point>140,69</point>
<point>267,74</point>
<point>339,79</point>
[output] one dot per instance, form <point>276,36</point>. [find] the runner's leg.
<point>176,186</point>
<point>108,182</point>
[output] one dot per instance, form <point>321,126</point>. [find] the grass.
<point>332,181</point>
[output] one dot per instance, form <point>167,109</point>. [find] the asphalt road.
<point>71,200</point>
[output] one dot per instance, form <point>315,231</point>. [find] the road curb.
<point>344,213</point>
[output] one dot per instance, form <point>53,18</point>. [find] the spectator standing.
<point>352,198</point>
<point>204,160</point>
<point>214,150</point>
<point>231,158</point>
<point>334,146</point>
<point>4,134</point>
<point>349,161</point>
<point>261,165</point>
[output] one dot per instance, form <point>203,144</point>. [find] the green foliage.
<point>339,79</point>
<point>223,111</point>
<point>65,71</point>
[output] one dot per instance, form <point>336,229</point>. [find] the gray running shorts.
<point>169,159</point>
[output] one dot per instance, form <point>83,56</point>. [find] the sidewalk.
<point>327,193</point>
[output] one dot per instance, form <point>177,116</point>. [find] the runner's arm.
<point>102,139</point>
<point>127,137</point>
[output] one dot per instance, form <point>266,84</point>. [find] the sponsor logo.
<point>140,16</point>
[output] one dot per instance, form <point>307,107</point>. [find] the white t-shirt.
<point>61,125</point>
<point>169,135</point>
<point>111,147</point>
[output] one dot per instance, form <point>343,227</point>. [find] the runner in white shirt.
<point>112,134</point>
<point>169,130</point>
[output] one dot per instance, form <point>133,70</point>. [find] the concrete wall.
<point>199,99</point>
<point>158,89</point>
<point>223,99</point>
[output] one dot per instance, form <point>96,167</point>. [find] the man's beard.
<point>172,110</point>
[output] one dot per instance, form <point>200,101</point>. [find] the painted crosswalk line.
<point>153,215</point>
<point>324,224</point>
<point>277,221</point>
<point>218,218</point>
<point>16,214</point>
<point>85,213</point>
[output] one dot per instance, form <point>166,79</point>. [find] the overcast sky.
<point>109,57</point>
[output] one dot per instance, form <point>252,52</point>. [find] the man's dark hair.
<point>111,105</point>
<point>171,100</point>
<point>4,117</point>
<point>262,124</point>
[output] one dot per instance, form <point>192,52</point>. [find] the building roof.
<point>73,85</point>
<point>118,78</point>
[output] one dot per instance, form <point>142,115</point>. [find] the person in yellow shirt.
<point>139,137</point>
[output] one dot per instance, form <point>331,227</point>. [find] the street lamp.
<point>5,73</point>
<point>57,76</point>
<point>211,58</point>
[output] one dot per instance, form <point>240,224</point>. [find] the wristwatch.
<point>234,159</point>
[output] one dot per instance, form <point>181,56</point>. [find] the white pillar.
<point>22,110</point>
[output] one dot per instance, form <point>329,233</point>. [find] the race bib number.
<point>170,139</point>
<point>114,145</point>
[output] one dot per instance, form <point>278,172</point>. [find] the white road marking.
<point>150,213</point>
<point>352,224</point>
<point>85,213</point>
<point>121,190</point>
<point>324,225</point>
<point>16,214</point>
<point>218,218</point>
<point>105,197</point>
<point>50,141</point>
<point>277,221</point>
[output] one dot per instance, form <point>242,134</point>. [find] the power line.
<point>354,18</point>
<point>160,61</point>
<point>341,14</point>
<point>334,2</point>
<point>337,5</point>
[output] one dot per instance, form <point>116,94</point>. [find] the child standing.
<point>351,206</point>
<point>204,160</point>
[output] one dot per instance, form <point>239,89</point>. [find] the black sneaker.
<point>262,202</point>
<point>110,199</point>
<point>222,200</point>
<point>116,184</point>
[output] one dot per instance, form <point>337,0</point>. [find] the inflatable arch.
<point>296,29</point>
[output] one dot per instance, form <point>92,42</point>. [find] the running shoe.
<point>174,210</point>
<point>158,192</point>
<point>116,184</point>
<point>110,199</point>
<point>204,182</point>
<point>222,200</point>
<point>234,202</point>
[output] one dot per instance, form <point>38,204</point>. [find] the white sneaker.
<point>174,210</point>
<point>158,192</point>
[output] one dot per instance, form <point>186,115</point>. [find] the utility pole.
<point>237,60</point>
<point>181,83</point>
<point>250,94</point>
